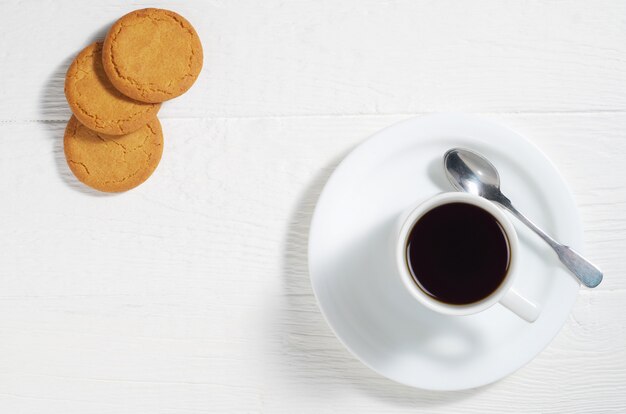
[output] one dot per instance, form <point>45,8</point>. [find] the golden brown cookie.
<point>113,163</point>
<point>96,103</point>
<point>152,55</point>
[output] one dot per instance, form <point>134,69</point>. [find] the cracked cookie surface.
<point>152,55</point>
<point>112,163</point>
<point>95,101</point>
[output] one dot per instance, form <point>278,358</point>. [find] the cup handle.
<point>520,306</point>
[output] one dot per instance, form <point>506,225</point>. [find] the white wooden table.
<point>190,294</point>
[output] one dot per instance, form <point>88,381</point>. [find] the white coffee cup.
<point>504,294</point>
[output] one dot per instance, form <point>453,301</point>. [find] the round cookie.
<point>113,163</point>
<point>152,55</point>
<point>96,103</point>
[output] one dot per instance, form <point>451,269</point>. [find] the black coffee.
<point>458,253</point>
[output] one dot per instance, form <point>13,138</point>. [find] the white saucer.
<point>351,255</point>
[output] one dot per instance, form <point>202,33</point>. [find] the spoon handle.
<point>584,270</point>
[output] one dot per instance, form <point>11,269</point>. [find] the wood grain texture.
<point>191,294</point>
<point>272,58</point>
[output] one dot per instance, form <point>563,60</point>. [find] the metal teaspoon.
<point>471,172</point>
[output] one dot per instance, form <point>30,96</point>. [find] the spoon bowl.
<point>471,172</point>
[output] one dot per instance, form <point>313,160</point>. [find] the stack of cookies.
<point>115,88</point>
